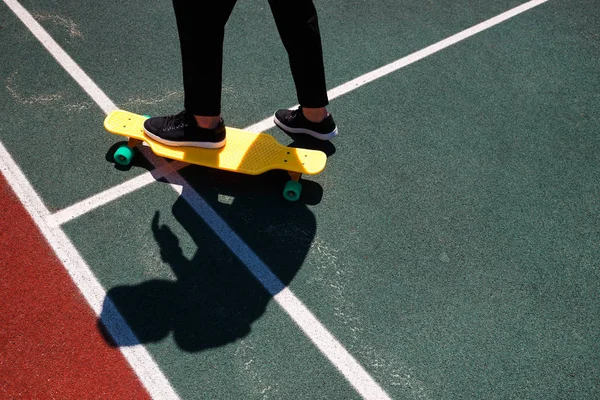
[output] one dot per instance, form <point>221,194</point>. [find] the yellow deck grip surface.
<point>244,152</point>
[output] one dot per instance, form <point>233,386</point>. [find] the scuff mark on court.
<point>333,274</point>
<point>42,99</point>
<point>256,380</point>
<point>68,24</point>
<point>12,88</point>
<point>139,101</point>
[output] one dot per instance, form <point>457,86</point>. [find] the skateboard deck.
<point>244,152</point>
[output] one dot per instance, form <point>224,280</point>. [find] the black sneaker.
<point>294,121</point>
<point>182,130</point>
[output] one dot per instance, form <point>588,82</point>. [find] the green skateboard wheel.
<point>292,190</point>
<point>123,155</point>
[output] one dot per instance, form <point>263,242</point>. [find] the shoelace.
<point>292,115</point>
<point>173,121</point>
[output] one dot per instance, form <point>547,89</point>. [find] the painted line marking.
<point>316,332</point>
<point>434,48</point>
<point>138,357</point>
<point>324,340</point>
<point>91,203</point>
<point>362,80</point>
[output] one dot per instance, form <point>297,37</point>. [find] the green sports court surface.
<point>449,250</point>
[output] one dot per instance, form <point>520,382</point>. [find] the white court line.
<point>434,48</point>
<point>137,356</point>
<point>329,346</point>
<point>91,203</point>
<point>323,339</point>
<point>362,80</point>
<point>267,123</point>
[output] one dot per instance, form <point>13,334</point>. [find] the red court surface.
<point>50,346</point>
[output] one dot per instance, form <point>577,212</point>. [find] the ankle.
<point>315,114</point>
<point>205,122</point>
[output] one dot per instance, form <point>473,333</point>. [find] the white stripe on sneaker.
<point>204,145</point>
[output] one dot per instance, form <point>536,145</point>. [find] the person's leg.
<point>201,28</point>
<point>298,27</point>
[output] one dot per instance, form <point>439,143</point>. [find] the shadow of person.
<point>215,296</point>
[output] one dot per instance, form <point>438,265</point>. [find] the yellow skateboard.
<point>245,152</point>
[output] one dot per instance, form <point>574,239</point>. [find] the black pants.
<point>201,27</point>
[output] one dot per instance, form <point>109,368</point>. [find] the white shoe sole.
<point>204,145</point>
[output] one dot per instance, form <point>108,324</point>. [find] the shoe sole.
<point>204,145</point>
<point>320,136</point>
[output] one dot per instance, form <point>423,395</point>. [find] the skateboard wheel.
<point>292,190</point>
<point>123,155</point>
